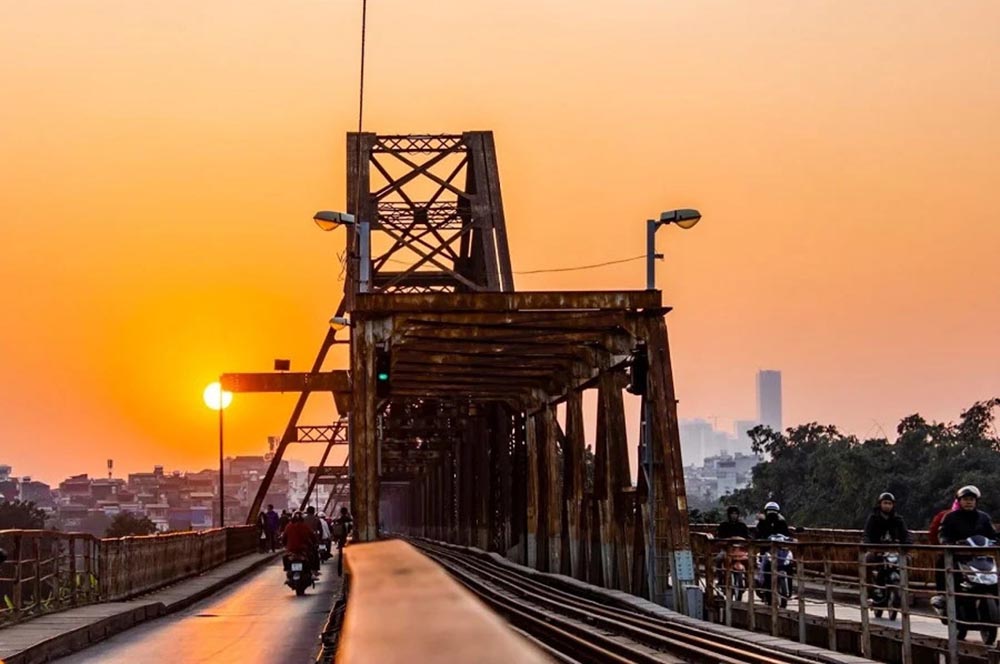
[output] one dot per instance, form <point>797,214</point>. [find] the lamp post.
<point>685,218</point>
<point>218,399</point>
<point>328,221</point>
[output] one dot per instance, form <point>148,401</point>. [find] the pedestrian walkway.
<point>46,637</point>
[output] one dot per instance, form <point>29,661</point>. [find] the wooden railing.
<point>49,571</point>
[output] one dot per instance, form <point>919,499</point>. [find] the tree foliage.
<point>127,524</point>
<point>824,478</point>
<point>18,515</point>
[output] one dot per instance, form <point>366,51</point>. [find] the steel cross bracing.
<point>434,211</point>
<point>480,437</point>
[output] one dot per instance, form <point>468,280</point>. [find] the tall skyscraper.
<point>769,398</point>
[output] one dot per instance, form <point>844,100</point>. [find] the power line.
<point>554,269</point>
<point>583,267</point>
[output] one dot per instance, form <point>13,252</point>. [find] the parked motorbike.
<point>298,576</point>
<point>785,566</point>
<point>885,593</point>
<point>735,559</point>
<point>976,592</point>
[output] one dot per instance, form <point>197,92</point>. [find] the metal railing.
<point>49,571</point>
<point>868,600</point>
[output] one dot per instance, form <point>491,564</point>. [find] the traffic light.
<point>383,372</point>
<point>638,370</point>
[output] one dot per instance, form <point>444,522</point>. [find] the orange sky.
<point>160,162</point>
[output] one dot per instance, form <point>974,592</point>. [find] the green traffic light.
<point>383,376</point>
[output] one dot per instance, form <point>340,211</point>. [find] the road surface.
<point>256,620</point>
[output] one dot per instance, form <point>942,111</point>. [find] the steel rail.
<point>672,638</point>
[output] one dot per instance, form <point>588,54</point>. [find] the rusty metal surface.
<point>375,303</point>
<point>328,381</point>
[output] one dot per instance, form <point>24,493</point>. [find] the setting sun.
<point>212,394</point>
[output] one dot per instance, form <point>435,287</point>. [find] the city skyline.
<point>162,164</point>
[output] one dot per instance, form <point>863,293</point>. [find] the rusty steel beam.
<point>329,381</point>
<point>377,303</point>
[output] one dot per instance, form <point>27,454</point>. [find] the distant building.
<point>720,475</point>
<point>742,428</point>
<point>769,398</point>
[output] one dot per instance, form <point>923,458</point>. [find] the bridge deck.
<point>56,634</point>
<point>258,620</point>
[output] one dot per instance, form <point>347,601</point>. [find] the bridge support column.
<point>466,489</point>
<point>449,533</point>
<point>611,478</point>
<point>518,551</point>
<point>573,479</point>
<point>550,499</point>
<point>532,496</point>
<point>481,493</point>
<point>363,445</point>
<point>671,547</point>
<point>500,480</point>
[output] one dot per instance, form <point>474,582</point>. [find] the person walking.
<point>271,525</point>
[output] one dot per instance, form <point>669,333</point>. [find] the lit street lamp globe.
<point>216,398</point>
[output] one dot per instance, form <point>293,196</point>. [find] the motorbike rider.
<point>968,520</point>
<point>965,522</point>
<point>300,539</point>
<point>312,520</point>
<point>772,523</point>
<point>884,525</point>
<point>342,527</point>
<point>733,526</point>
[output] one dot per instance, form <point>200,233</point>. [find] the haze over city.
<point>161,164</point>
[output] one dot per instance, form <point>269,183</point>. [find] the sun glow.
<point>212,395</point>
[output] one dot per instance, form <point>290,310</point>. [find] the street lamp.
<point>338,323</point>
<point>218,399</point>
<point>328,220</point>
<point>685,218</point>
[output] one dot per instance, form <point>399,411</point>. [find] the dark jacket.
<point>271,521</point>
<point>772,524</point>
<point>962,524</point>
<point>882,527</point>
<point>729,529</point>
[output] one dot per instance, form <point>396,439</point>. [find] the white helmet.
<point>772,506</point>
<point>968,490</point>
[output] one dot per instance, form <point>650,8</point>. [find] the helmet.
<point>772,506</point>
<point>968,490</point>
<point>885,495</point>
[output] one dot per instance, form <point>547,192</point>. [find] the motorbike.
<point>785,566</point>
<point>734,559</point>
<point>975,592</point>
<point>298,576</point>
<point>885,593</point>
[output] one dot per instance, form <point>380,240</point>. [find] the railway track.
<point>574,629</point>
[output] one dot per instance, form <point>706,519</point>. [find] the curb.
<point>95,632</point>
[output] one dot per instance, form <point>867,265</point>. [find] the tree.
<point>18,515</point>
<point>127,524</point>
<point>95,523</point>
<point>822,477</point>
